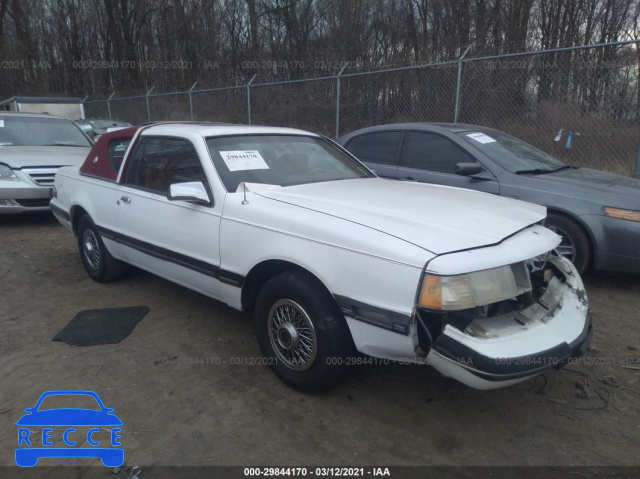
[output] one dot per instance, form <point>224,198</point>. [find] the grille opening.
<point>41,176</point>
<point>33,203</point>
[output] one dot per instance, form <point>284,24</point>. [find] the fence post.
<point>146,97</point>
<point>636,171</point>
<point>249,99</point>
<point>459,84</point>
<point>338,100</point>
<point>191,101</point>
<point>84,115</point>
<point>109,104</point>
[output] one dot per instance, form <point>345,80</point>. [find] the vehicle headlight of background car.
<point>7,173</point>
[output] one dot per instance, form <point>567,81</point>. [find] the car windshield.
<point>282,160</point>
<point>65,401</point>
<point>34,131</point>
<point>511,153</point>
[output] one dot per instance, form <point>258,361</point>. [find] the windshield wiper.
<point>62,143</point>
<point>565,167</point>
<point>536,171</point>
<point>540,171</point>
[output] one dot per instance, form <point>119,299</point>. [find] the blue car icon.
<point>27,456</point>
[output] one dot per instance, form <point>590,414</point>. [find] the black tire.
<point>576,245</point>
<point>302,332</point>
<point>100,265</point>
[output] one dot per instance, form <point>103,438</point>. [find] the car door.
<point>176,239</point>
<point>379,151</point>
<point>431,158</point>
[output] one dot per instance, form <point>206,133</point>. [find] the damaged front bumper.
<point>493,352</point>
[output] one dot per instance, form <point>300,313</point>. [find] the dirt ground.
<point>215,409</point>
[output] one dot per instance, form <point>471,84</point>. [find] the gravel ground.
<point>188,389</point>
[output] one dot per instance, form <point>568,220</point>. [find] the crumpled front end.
<point>511,340</point>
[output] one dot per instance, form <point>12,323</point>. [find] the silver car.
<point>33,147</point>
<point>596,213</point>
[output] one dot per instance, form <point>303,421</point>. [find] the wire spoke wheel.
<point>96,259</point>
<point>292,335</point>
<point>301,330</point>
<point>91,249</point>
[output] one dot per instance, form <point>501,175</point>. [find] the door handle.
<point>125,199</point>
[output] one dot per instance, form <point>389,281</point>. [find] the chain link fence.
<point>578,104</point>
<point>398,96</point>
<point>575,104</point>
<point>309,105</point>
<point>226,105</point>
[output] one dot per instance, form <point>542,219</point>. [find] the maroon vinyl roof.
<point>97,163</point>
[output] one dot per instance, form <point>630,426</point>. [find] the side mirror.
<point>194,191</point>
<point>468,169</point>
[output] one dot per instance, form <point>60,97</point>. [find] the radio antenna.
<point>244,188</point>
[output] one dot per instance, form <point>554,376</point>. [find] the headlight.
<point>622,214</point>
<point>7,173</point>
<point>452,293</point>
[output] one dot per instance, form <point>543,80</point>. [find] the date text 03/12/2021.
<point>317,471</point>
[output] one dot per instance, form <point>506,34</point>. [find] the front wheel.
<point>97,260</point>
<point>302,332</point>
<point>575,245</point>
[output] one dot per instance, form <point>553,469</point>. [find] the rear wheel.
<point>575,245</point>
<point>97,260</point>
<point>302,332</point>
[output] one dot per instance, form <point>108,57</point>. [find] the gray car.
<point>33,146</point>
<point>596,213</point>
<point>93,128</point>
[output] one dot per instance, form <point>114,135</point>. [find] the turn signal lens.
<point>431,294</point>
<point>622,214</point>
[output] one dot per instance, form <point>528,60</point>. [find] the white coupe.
<point>336,263</point>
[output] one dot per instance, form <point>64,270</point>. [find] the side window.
<point>378,147</point>
<point>117,148</point>
<point>433,152</point>
<point>352,146</point>
<point>160,162</point>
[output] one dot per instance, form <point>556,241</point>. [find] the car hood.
<point>28,156</point>
<point>594,185</point>
<point>69,417</point>
<point>439,219</point>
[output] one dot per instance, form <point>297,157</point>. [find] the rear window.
<point>34,131</point>
<point>117,149</point>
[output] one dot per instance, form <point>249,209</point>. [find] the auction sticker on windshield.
<point>240,160</point>
<point>481,138</point>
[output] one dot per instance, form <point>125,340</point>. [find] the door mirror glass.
<point>193,191</point>
<point>468,169</point>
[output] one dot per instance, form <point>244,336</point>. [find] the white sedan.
<point>335,263</point>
